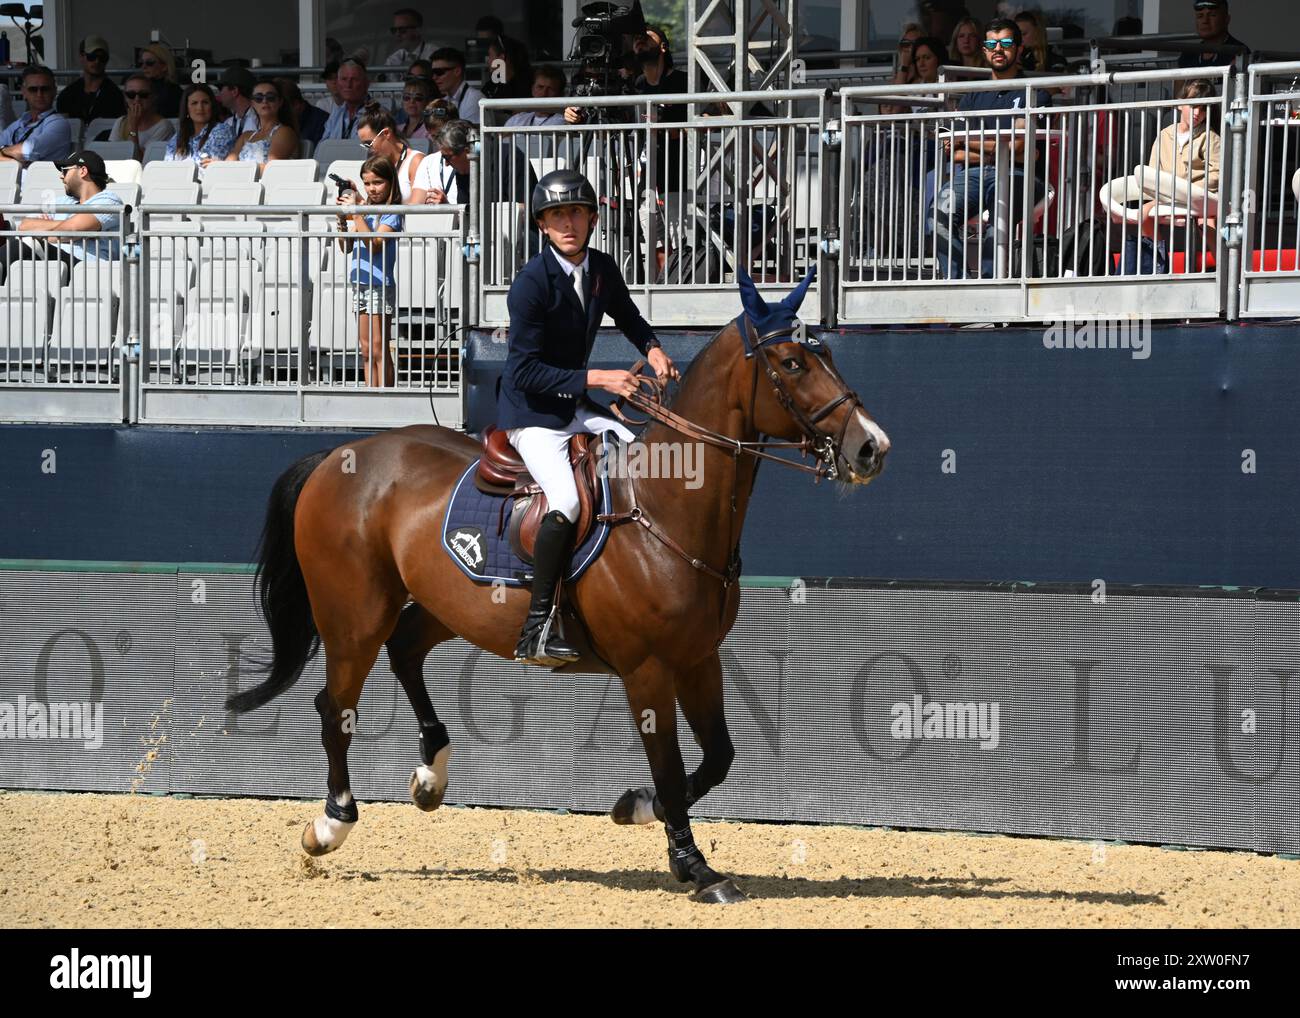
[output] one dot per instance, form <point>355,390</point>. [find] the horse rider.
<point>556,303</point>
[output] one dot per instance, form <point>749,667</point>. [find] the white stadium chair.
<point>295,194</point>
<point>348,169</point>
<point>155,152</point>
<point>98,130</point>
<point>123,171</point>
<point>333,149</point>
<point>171,194</point>
<point>129,193</point>
<point>9,174</point>
<point>288,171</point>
<point>180,171</point>
<point>84,337</point>
<point>41,176</point>
<point>232,194</point>
<point>113,150</point>
<point>8,194</point>
<point>27,297</point>
<point>221,174</point>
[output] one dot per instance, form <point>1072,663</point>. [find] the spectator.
<point>159,66</point>
<point>1189,150</point>
<point>333,51</point>
<point>660,77</point>
<point>40,133</point>
<point>1212,19</point>
<point>235,90</point>
<point>92,95</point>
<point>142,124</point>
<point>353,95</point>
<point>197,136</point>
<point>408,32</point>
<point>903,60</point>
<point>548,83</point>
<point>374,257</point>
<point>330,77</point>
<point>84,180</point>
<point>444,175</point>
<point>509,71</point>
<point>1128,26</point>
<point>310,120</point>
<point>974,153</point>
<point>928,55</point>
<point>449,75</point>
<point>276,136</point>
<point>378,132</point>
<point>966,48</point>
<point>1038,58</point>
<point>489,27</point>
<point>437,113</point>
<point>417,93</point>
<point>420,69</point>
<point>940,17</point>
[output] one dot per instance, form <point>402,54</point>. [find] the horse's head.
<point>806,397</point>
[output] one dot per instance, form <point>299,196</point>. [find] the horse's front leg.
<point>650,695</point>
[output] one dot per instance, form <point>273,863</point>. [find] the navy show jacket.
<point>551,337</point>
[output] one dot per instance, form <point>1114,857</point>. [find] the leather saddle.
<point>501,472</point>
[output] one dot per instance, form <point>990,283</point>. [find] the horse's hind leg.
<point>416,634</point>
<point>345,673</point>
<point>699,692</point>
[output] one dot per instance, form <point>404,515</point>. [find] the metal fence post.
<point>129,355</point>
<point>1236,116</point>
<point>472,248</point>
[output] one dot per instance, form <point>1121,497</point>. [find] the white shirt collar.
<point>567,265</point>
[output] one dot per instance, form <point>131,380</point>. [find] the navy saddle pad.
<point>470,533</point>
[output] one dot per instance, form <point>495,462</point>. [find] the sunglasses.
<point>97,56</point>
<point>150,63</point>
<point>992,44</point>
<point>438,72</point>
<point>265,97</point>
<point>367,144</point>
<point>399,29</point>
<point>138,95</point>
<point>38,89</point>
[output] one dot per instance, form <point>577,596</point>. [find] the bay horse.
<point>351,559</point>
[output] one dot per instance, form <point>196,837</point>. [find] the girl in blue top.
<point>374,253</point>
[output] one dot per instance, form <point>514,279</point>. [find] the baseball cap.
<point>93,42</point>
<point>240,78</point>
<point>92,161</point>
<point>1205,5</point>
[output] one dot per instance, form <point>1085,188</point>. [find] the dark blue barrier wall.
<point>1071,465</point>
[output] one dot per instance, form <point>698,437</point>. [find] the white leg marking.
<point>644,810</point>
<point>331,833</point>
<point>434,779</point>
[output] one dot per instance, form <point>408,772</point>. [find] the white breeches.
<point>545,451</point>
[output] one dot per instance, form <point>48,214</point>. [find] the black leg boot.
<point>539,643</point>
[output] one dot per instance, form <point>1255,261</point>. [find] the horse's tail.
<point>282,591</point>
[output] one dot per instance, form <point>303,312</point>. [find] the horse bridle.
<point>824,447</point>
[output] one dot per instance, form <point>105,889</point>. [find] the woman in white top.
<point>276,136</point>
<point>142,125</point>
<point>378,132</point>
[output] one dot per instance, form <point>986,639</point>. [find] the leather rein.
<point>823,446</point>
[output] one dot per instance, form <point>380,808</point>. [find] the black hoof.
<point>724,892</point>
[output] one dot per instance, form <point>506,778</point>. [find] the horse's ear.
<point>750,299</point>
<point>796,296</point>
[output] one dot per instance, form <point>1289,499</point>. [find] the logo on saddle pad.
<point>467,544</point>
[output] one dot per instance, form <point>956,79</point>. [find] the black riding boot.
<point>539,643</point>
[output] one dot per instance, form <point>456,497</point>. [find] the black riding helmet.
<point>562,187</point>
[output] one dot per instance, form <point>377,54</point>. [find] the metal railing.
<point>1062,212</point>
<point>1270,276</point>
<point>242,315</point>
<point>684,204</point>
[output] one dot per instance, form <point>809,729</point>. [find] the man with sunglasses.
<point>449,75</point>
<point>39,134</point>
<point>970,151</point>
<point>93,94</point>
<point>84,181</point>
<point>408,33</point>
<point>235,93</point>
